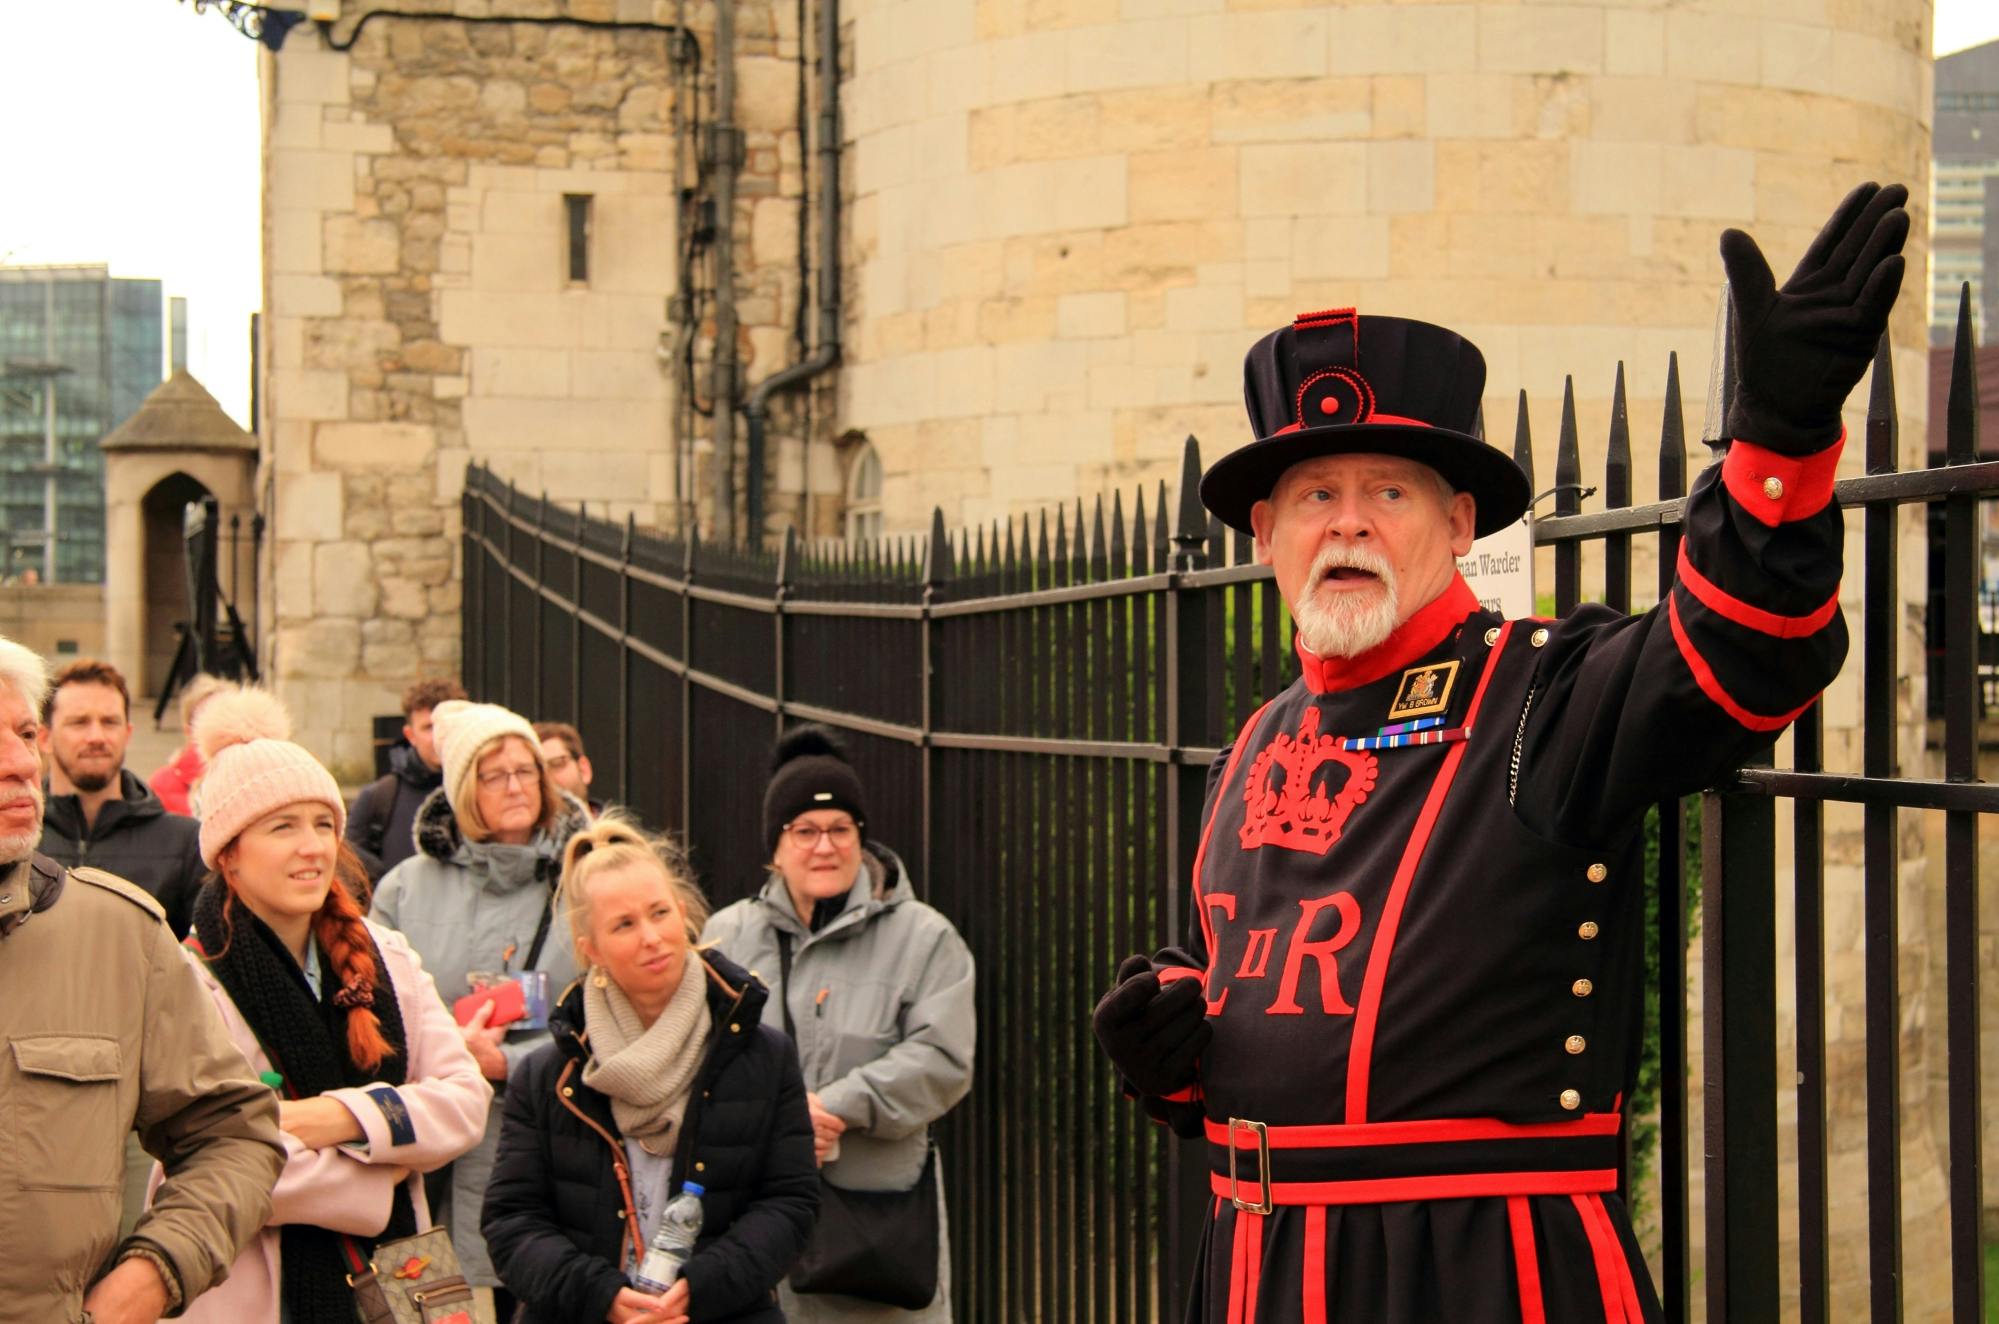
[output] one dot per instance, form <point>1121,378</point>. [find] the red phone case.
<point>509,1004</point>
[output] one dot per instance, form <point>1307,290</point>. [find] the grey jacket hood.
<point>501,868</point>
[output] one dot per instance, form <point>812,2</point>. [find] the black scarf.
<point>269,989</point>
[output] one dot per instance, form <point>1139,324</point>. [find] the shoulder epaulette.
<point>132,892</point>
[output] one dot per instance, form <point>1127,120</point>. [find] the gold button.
<point>1773,488</point>
<point>621,1213</point>
<point>1492,636</point>
<point>1587,930</point>
<point>701,1167</point>
<point>734,1028</point>
<point>1582,988</point>
<point>1538,638</point>
<point>1574,1043</point>
<point>1571,1100</point>
<point>1597,873</point>
<point>567,1092</point>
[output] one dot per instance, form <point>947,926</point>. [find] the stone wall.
<point>59,621</point>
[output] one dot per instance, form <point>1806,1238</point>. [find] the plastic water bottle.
<point>672,1241</point>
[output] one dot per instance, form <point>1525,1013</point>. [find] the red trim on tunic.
<point>1445,1186</point>
<point>1439,1131</point>
<point>1252,1265</point>
<point>1609,1259</point>
<point>1711,685</point>
<point>1191,1094</point>
<point>1360,1055</point>
<point>1526,1260</point>
<point>1626,1286</point>
<point>1315,1265</point>
<point>1807,481</point>
<point>1238,1265</point>
<point>1201,851</point>
<point>1412,640</point>
<point>1726,604</point>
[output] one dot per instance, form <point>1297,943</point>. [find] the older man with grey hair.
<point>108,1030</point>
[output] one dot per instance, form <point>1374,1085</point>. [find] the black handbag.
<point>878,1246</point>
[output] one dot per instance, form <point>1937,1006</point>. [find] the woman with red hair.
<point>375,1083</point>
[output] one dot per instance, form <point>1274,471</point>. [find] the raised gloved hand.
<point>1801,349</point>
<point>1153,1035</point>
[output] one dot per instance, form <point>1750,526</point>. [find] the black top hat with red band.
<point>1335,383</point>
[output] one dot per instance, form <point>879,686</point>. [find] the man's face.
<point>87,733</point>
<point>571,773</point>
<point>20,778</point>
<point>1359,544</point>
<point>421,732</point>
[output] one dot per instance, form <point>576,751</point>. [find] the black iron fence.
<point>1034,706</point>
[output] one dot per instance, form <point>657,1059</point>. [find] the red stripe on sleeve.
<point>1712,687</point>
<point>1725,604</point>
<point>1526,1260</point>
<point>1780,489</point>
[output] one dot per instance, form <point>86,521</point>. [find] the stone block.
<point>1552,39</point>
<point>304,296</point>
<point>1401,177</point>
<point>773,230</point>
<point>1616,177</point>
<point>1634,43</point>
<point>527,263</point>
<point>320,649</point>
<point>295,125</point>
<point>1189,184</point>
<point>311,181</point>
<point>959,79</point>
<point>1080,316</point>
<point>1084,194</point>
<point>1132,53</point>
<point>349,343</point>
<point>767,92</point>
<point>404,598</point>
<point>308,395</point>
<point>292,582</point>
<point>1342,247</point>
<point>1204,308</point>
<point>1885,73</point>
<point>481,318</point>
<point>1398,106</point>
<point>621,374</point>
<point>343,580</point>
<point>362,248</point>
<point>1027,67</point>
<point>1718,182</point>
<point>1261,46</point>
<point>521,372</point>
<point>498,426</point>
<point>1648,110</point>
<point>374,447</point>
<point>358,136</point>
<point>1404,39</point>
<point>635,244</point>
<point>522,211</point>
<point>1472,106</point>
<point>389,649</point>
<point>574,476</point>
<point>1713,47</point>
<point>1303,180</point>
<point>295,247</point>
<point>310,77</point>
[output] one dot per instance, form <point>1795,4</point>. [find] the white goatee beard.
<point>1346,624</point>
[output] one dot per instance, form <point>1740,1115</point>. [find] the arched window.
<point>864,496</point>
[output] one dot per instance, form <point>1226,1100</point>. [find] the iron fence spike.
<point>1617,458</point>
<point>1568,455</point>
<point>1672,436</point>
<point>1523,442</point>
<point>1192,523</point>
<point>1961,410</point>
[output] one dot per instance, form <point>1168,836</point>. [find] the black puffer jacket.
<point>134,838</point>
<point>555,1214</point>
<point>382,820</point>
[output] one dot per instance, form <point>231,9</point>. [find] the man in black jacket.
<point>381,820</point>
<point>100,815</point>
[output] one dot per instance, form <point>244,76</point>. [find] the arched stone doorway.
<point>162,512</point>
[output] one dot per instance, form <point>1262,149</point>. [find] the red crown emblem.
<point>1286,800</point>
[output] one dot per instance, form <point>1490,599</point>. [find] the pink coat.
<point>446,1099</point>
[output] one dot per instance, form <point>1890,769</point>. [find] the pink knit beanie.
<point>254,769</point>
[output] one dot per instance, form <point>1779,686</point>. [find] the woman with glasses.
<point>876,989</point>
<point>477,902</point>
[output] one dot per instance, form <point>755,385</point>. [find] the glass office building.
<point>79,352</point>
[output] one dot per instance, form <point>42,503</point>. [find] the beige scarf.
<point>646,1072</point>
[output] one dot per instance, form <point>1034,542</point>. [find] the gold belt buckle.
<point>1262,1134</point>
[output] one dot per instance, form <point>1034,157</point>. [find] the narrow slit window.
<point>576,212</point>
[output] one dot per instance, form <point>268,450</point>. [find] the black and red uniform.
<point>1421,947</point>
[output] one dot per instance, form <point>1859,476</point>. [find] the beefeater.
<point>1408,1009</point>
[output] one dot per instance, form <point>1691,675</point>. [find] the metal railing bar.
<point>1893,792</point>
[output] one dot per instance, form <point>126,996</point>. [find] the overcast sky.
<point>133,140</point>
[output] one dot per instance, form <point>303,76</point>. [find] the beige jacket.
<point>107,1029</point>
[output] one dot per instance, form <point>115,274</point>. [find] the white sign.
<point>1500,570</point>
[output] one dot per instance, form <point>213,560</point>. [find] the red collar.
<point>1412,639</point>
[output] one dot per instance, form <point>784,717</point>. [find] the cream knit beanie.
<point>253,768</point>
<point>463,729</point>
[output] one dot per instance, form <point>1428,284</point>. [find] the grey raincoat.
<point>882,1000</point>
<point>462,904</point>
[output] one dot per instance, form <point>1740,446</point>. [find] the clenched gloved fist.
<point>1152,1035</point>
<point>1800,350</point>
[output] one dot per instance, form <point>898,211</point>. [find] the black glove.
<point>1800,350</point>
<point>1153,1036</point>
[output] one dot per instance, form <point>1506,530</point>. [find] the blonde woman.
<point>661,1073</point>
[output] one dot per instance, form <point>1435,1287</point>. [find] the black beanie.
<point>809,770</point>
